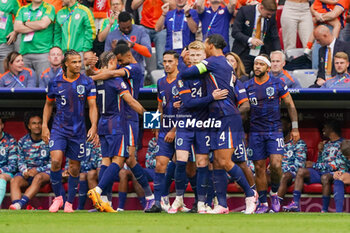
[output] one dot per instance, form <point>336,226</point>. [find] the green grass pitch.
<point>137,221</point>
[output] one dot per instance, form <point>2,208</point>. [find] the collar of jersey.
<point>70,80</point>
<point>259,83</point>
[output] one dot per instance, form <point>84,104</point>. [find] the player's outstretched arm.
<point>293,115</point>
<point>105,74</point>
<point>93,115</point>
<point>45,133</point>
<point>134,104</point>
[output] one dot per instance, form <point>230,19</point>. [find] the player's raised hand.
<point>295,136</point>
<point>45,134</point>
<point>219,94</point>
<point>165,8</point>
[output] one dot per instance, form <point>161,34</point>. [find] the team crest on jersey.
<point>43,153</point>
<point>289,153</point>
<point>2,151</point>
<point>51,143</point>
<point>221,11</point>
<point>249,152</point>
<point>247,23</point>
<point>180,83</point>
<point>123,85</point>
<point>77,16</point>
<point>270,91</point>
<point>179,141</point>
<point>174,91</point>
<point>80,89</point>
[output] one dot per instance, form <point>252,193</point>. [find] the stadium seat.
<point>306,77</point>
<point>312,137</point>
<point>312,188</point>
<point>15,128</point>
<point>156,74</point>
<point>294,53</point>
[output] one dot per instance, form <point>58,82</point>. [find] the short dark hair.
<point>71,52</point>
<point>269,5</point>
<point>217,40</point>
<point>29,115</point>
<point>121,49</point>
<point>171,52</point>
<point>124,17</point>
<point>334,125</point>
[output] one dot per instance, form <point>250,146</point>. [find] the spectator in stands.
<point>342,78</point>
<point>278,61</point>
<point>57,4</point>
<point>33,163</point>
<point>327,12</point>
<point>135,35</point>
<point>88,172</point>
<point>296,18</point>
<point>8,36</point>
<point>74,28</point>
<point>238,66</point>
<point>55,58</point>
<point>216,19</point>
<point>16,74</point>
<point>330,159</point>
<point>341,178</point>
<point>110,24</point>
<point>330,46</point>
<point>151,12</point>
<point>255,32</point>
<point>181,25</point>
<point>8,159</point>
<point>36,23</point>
<point>294,157</point>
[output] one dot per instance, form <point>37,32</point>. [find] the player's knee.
<point>131,162</point>
<point>123,174</point>
<point>326,179</point>
<point>55,165</point>
<point>74,171</point>
<point>14,181</point>
<point>91,175</point>
<point>302,172</point>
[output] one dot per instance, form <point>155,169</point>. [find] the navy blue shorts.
<point>315,176</point>
<point>195,141</point>
<point>72,147</point>
<point>229,135</point>
<point>240,153</point>
<point>133,132</point>
<point>165,149</point>
<point>113,145</point>
<point>262,145</point>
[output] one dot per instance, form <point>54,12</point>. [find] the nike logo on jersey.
<point>80,156</point>
<point>59,92</point>
<point>220,144</point>
<point>195,83</point>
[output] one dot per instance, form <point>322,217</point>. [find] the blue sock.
<point>210,189</point>
<point>339,195</point>
<point>263,196</point>
<point>220,185</point>
<point>325,203</point>
<point>202,181</point>
<point>169,177</point>
<point>83,188</point>
<point>158,187</point>
<point>274,187</point>
<point>180,178</point>
<point>141,178</point>
<point>237,174</point>
<point>109,190</point>
<point>296,197</point>
<point>122,199</point>
<point>63,194</point>
<point>56,182</point>
<point>2,189</point>
<point>193,182</point>
<point>16,201</point>
<point>108,176</point>
<point>24,200</point>
<point>72,188</point>
<point>100,175</point>
<point>142,202</point>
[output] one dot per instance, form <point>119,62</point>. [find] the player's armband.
<point>201,67</point>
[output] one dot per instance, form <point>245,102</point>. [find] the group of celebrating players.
<point>204,88</point>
